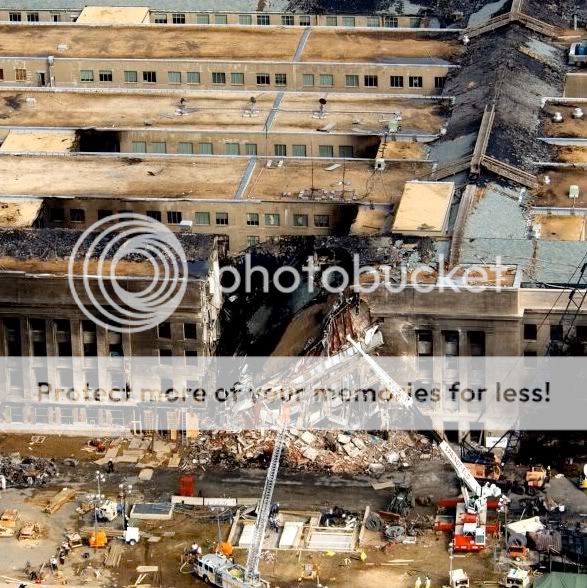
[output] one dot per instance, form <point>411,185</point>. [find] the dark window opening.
<point>93,141</point>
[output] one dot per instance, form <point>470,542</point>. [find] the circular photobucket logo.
<point>110,287</point>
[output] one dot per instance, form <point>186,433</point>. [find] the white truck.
<point>458,579</point>
<point>517,578</point>
<point>220,571</point>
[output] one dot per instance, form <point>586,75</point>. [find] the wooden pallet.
<point>62,497</point>
<point>112,559</point>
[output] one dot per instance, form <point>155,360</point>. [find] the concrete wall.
<point>340,216</point>
<point>66,73</point>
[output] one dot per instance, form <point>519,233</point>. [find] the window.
<point>178,18</point>
<point>86,75</point>
<point>190,331</point>
<point>105,75</point>
<point>304,21</point>
<point>371,81</point>
<point>331,21</point>
<point>222,218</point>
<point>1,75</point>
<point>185,148</point>
<point>165,359</point>
<point>164,331</point>
<point>348,21</point>
<point>439,82</point>
<point>160,19</point>
<point>287,20</point>
<point>252,241</point>
<point>346,151</point>
<point>202,218</point>
<point>414,22</point>
<point>391,22</point>
<point>102,213</point>
<point>205,148</point>
<point>63,329</point>
<point>281,79</point>
<point>396,81</point>
<point>173,217</point>
<point>298,150</point>
<point>325,151</point>
<point>272,220</point>
<point>416,82</point>
<point>57,215</point>
<point>263,19</point>
<point>193,77</point>
<point>77,215</point>
<point>300,220</point>
<point>139,147</point>
<point>373,21</point>
<point>154,214</point>
<point>218,77</point>
<point>131,77</point>
<point>263,79</point>
<point>174,77</point>
<point>32,16</point>
<point>251,148</point>
<point>56,17</point>
<point>556,332</point>
<point>203,19</point>
<point>530,332</point>
<point>232,149</point>
<point>220,19</point>
<point>158,147</point>
<point>245,19</point>
<point>326,80</point>
<point>308,80</point>
<point>252,219</point>
<point>150,77</point>
<point>280,150</point>
<point>352,81</point>
<point>20,74</point>
<point>14,17</point>
<point>237,79</point>
<point>321,220</point>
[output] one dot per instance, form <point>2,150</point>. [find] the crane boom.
<point>254,556</point>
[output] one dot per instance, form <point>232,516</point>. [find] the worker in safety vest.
<point>418,583</point>
<point>427,582</point>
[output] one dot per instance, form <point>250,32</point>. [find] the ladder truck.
<point>221,571</point>
<point>471,516</point>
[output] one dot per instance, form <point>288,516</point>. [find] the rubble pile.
<point>27,471</point>
<point>351,453</point>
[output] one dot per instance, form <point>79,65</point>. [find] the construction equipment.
<point>583,478</point>
<point>471,517</point>
<point>517,578</point>
<point>107,511</point>
<point>484,472</point>
<point>98,540</point>
<point>131,535</point>
<point>401,500</point>
<point>517,552</point>
<point>535,479</point>
<point>578,54</point>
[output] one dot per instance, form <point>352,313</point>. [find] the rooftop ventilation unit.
<point>546,180</point>
<point>380,164</point>
<point>557,117</point>
<point>578,113</point>
<point>574,191</point>
<point>536,231</point>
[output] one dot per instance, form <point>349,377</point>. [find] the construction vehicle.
<point>583,478</point>
<point>98,539</point>
<point>484,472</point>
<point>131,535</point>
<point>458,579</point>
<point>578,53</point>
<point>517,552</point>
<point>470,530</point>
<point>401,500</point>
<point>535,479</point>
<point>107,511</point>
<point>517,578</point>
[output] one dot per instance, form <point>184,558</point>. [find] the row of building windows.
<point>262,79</point>
<point>279,150</point>
<point>246,19</point>
<point>175,217</point>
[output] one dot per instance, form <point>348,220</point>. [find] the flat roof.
<point>376,46</point>
<point>561,227</point>
<point>569,127</point>
<point>172,42</point>
<point>19,213</point>
<point>557,192</point>
<point>571,154</point>
<point>360,113</point>
<point>112,177</point>
<point>424,208</point>
<point>20,140</point>
<point>351,113</point>
<point>117,15</point>
<point>192,178</point>
<point>116,110</point>
<point>402,150</point>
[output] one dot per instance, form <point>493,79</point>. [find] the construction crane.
<point>474,494</point>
